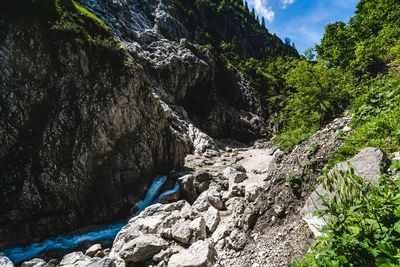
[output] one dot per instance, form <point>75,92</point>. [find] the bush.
<point>363,223</point>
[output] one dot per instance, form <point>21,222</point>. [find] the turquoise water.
<point>103,232</point>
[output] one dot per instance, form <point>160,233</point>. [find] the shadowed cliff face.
<point>81,134</point>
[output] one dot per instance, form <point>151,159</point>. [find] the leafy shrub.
<point>363,223</point>
<point>376,118</point>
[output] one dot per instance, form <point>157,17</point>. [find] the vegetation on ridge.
<point>66,20</point>
<point>357,68</point>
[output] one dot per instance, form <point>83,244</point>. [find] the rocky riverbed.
<point>214,220</point>
<point>235,208</point>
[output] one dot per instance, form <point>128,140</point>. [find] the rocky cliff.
<point>81,134</point>
<point>178,43</point>
<point>88,120</point>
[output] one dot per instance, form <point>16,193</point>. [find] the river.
<point>67,242</point>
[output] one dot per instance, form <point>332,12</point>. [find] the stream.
<point>99,232</point>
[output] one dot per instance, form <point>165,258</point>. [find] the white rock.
<point>181,231</point>
<point>233,175</point>
<point>75,259</point>
<point>33,263</point>
<point>223,230</point>
<point>5,261</point>
<point>142,248</point>
<point>212,219</point>
<point>93,250</point>
<point>198,227</point>
<point>252,191</point>
<point>199,254</point>
<point>208,198</point>
<point>210,153</point>
<point>227,195</point>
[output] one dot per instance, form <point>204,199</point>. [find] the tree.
<point>337,45</point>
<point>263,22</point>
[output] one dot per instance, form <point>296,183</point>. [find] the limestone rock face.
<point>84,133</point>
<point>199,254</point>
<point>367,164</point>
<point>216,100</point>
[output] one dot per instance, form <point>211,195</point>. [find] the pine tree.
<point>263,22</point>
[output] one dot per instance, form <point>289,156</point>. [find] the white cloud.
<point>263,9</point>
<point>286,3</point>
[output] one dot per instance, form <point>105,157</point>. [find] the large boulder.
<point>367,164</point>
<point>142,248</point>
<point>234,175</point>
<point>199,254</point>
<point>5,261</point>
<point>155,219</point>
<point>208,198</point>
<point>198,226</point>
<point>192,185</point>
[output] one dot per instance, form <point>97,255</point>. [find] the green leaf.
<point>388,249</point>
<point>343,260</point>
<point>396,227</point>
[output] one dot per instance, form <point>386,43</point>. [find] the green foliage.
<point>320,95</point>
<point>66,20</point>
<point>84,27</point>
<point>376,118</point>
<point>363,223</point>
<point>337,44</point>
<point>395,167</point>
<point>294,181</point>
<point>362,46</point>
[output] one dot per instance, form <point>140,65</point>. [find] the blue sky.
<point>302,21</point>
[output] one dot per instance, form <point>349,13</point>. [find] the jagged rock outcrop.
<point>164,35</point>
<point>81,134</point>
